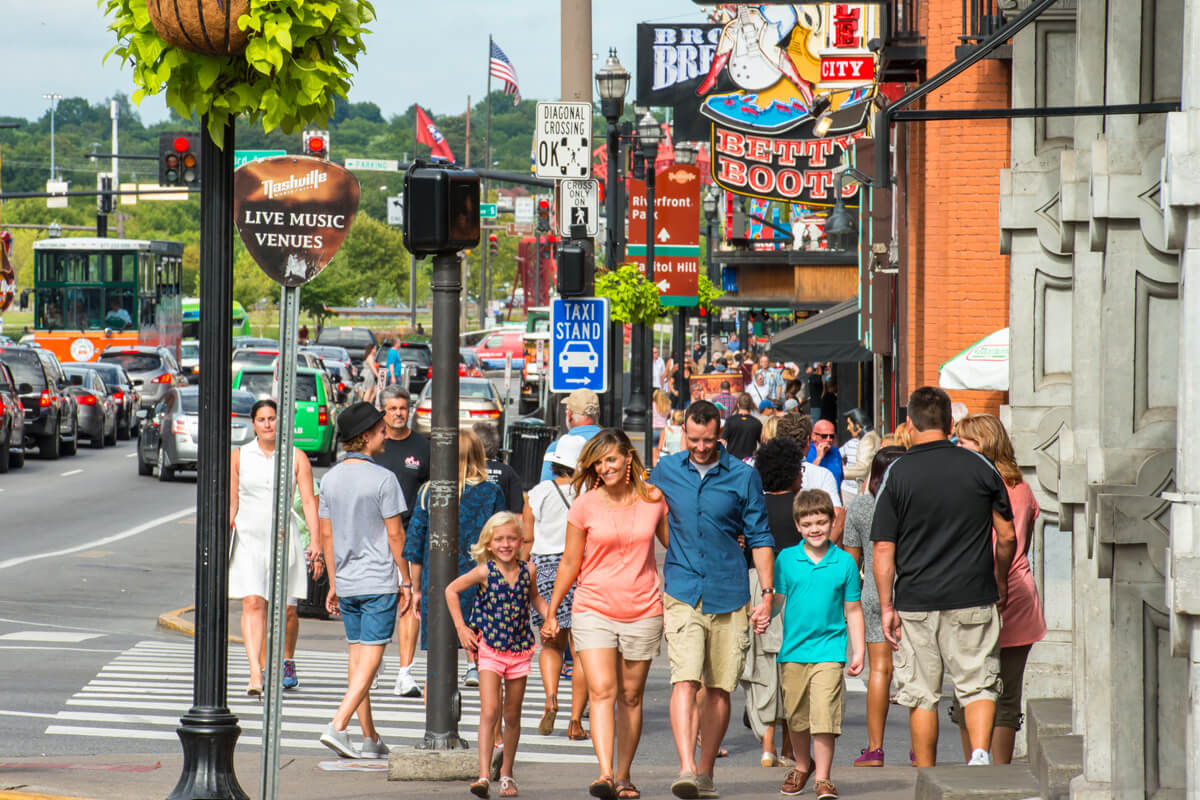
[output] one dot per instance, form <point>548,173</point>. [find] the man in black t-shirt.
<point>406,453</point>
<point>932,531</point>
<point>498,472</point>
<point>742,430</point>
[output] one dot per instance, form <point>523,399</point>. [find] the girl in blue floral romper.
<point>500,635</point>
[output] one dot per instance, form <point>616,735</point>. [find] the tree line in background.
<point>371,263</point>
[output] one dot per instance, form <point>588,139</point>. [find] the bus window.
<point>123,268</point>
<point>84,309</point>
<point>48,306</point>
<point>118,313</point>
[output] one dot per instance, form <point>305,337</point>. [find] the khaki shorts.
<point>635,641</point>
<point>814,697</point>
<point>963,642</point>
<point>708,648</point>
<point>1012,678</point>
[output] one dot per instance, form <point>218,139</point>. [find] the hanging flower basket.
<point>201,26</point>
<point>282,62</point>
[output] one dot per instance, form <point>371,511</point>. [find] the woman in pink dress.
<point>1021,618</point>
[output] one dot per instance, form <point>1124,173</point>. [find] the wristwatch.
<point>767,592</point>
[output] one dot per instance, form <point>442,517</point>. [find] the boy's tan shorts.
<point>707,648</point>
<point>814,697</point>
<point>963,642</point>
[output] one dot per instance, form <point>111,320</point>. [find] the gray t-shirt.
<point>356,497</point>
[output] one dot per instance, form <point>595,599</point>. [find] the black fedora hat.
<point>356,420</point>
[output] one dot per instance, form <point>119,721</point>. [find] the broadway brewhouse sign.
<point>293,213</point>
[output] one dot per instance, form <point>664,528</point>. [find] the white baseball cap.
<point>567,451</point>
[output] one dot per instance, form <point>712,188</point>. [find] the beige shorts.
<point>961,642</point>
<point>814,697</point>
<point>635,641</point>
<point>1012,679</point>
<point>708,648</point>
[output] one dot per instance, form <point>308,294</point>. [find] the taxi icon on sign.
<point>578,354</point>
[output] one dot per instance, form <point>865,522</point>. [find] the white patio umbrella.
<point>982,366</point>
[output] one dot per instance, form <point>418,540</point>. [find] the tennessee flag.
<point>428,133</point>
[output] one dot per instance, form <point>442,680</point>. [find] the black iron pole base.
<point>208,743</point>
<point>442,741</point>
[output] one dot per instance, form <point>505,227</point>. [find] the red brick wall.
<point>957,287</point>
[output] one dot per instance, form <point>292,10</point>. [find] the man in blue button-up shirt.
<point>712,498</point>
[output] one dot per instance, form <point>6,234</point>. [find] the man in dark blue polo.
<point>712,498</point>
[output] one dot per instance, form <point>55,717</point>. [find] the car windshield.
<point>255,357</point>
<point>188,350</point>
<point>262,384</point>
<point>190,402</point>
<point>414,355</point>
<point>24,369</point>
<point>109,373</point>
<point>344,338</point>
<point>472,390</point>
<point>243,402</point>
<point>335,353</point>
<point>135,362</point>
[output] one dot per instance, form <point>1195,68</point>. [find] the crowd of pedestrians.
<point>769,582</point>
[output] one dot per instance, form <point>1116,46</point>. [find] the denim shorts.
<point>369,618</point>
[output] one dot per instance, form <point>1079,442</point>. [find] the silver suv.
<point>153,370</point>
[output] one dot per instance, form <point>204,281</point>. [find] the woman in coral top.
<point>1021,618</point>
<point>617,617</point>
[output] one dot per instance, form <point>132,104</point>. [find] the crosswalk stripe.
<point>141,693</point>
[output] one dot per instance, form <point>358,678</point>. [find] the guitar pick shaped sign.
<point>293,213</point>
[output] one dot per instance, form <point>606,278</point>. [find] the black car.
<point>355,340</point>
<point>121,390</point>
<point>12,422</point>
<point>51,422</point>
<point>416,361</point>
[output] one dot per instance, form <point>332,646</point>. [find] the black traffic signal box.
<point>179,159</point>
<point>441,209</point>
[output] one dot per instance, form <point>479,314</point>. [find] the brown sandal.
<point>546,726</point>
<point>627,791</point>
<point>603,788</point>
<point>575,731</point>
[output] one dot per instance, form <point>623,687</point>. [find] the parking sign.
<point>579,344</point>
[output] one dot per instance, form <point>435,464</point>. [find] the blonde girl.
<point>671,439</point>
<point>498,633</point>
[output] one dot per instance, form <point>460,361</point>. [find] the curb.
<point>177,621</point>
<point>35,796</point>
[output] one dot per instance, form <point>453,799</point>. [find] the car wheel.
<point>97,439</point>
<point>5,449</point>
<point>48,447</point>
<point>111,441</point>
<point>125,432</point>
<point>72,447</point>
<point>144,467</point>
<point>16,456</point>
<point>166,474</point>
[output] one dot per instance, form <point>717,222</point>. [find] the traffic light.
<point>572,270</point>
<point>493,245</point>
<point>441,209</point>
<point>543,216</point>
<point>179,159</point>
<point>316,144</point>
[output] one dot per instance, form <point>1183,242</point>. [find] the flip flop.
<point>546,726</point>
<point>627,791</point>
<point>604,788</point>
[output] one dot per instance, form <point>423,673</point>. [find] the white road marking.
<point>131,455</point>
<point>59,649</point>
<point>49,636</point>
<point>116,537</point>
<point>28,714</point>
<point>71,472</point>
<point>51,625</point>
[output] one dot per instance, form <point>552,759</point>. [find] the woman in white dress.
<point>251,500</point>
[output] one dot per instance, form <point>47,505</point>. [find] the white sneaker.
<point>373,749</point>
<point>338,742</point>
<point>979,758</point>
<point>406,686</point>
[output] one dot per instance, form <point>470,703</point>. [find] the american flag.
<point>502,68</point>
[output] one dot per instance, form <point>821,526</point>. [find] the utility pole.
<point>114,111</point>
<point>576,49</point>
<point>53,98</point>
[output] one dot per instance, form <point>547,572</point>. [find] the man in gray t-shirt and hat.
<point>363,541</point>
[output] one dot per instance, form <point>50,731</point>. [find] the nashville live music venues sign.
<point>293,213</point>
<point>760,80</point>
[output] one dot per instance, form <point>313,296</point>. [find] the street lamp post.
<point>637,413</point>
<point>53,98</point>
<point>612,81</point>
<point>839,230</point>
<point>709,204</point>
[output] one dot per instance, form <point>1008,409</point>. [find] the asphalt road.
<point>91,554</point>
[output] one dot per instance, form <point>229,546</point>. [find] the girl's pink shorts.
<point>506,665</point>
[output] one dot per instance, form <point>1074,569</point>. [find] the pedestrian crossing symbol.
<point>578,204</point>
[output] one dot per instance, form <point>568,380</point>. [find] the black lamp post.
<point>839,230</point>
<point>637,410</point>
<point>612,81</point>
<point>709,205</point>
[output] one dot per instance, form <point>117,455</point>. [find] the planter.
<point>201,26</point>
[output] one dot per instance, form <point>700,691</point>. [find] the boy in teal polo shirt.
<point>823,579</point>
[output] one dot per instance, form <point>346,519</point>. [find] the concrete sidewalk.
<point>152,777</point>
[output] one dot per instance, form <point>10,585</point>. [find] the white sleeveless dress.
<point>250,569</point>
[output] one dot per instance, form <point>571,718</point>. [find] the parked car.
<point>343,384</point>
<point>168,441</point>
<point>493,350</point>
<point>96,409</point>
<point>416,360</point>
<point>354,340</point>
<point>121,390</point>
<point>189,360</point>
<point>12,422</point>
<point>153,369</point>
<point>51,421</point>
<point>477,401</point>
<point>253,357</point>
<point>330,353</point>
<point>255,341</point>
<point>315,424</point>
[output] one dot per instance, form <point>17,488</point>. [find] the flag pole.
<point>485,276</point>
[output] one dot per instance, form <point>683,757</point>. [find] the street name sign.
<point>563,140</point>
<point>523,210</point>
<point>579,344</point>
<point>395,210</point>
<point>241,157</point>
<point>373,164</point>
<point>578,204</point>
<point>676,232</point>
<point>488,211</point>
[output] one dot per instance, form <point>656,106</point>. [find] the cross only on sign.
<point>579,204</point>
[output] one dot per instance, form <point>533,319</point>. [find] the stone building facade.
<point>1100,217</point>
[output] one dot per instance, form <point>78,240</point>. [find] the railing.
<point>982,18</point>
<point>902,20</point>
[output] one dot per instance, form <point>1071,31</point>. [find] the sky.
<point>436,58</point>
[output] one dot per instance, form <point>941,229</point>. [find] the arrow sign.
<point>663,236</point>
<point>663,285</point>
<point>676,235</point>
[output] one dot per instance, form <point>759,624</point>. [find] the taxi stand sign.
<point>579,344</point>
